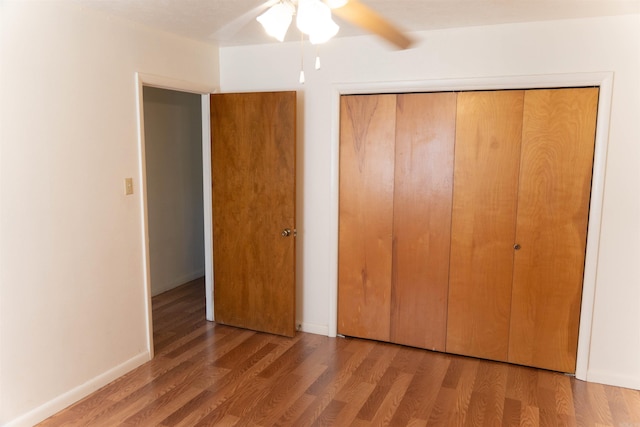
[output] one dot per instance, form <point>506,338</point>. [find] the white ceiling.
<point>231,22</point>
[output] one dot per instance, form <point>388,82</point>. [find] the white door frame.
<point>180,86</point>
<point>603,80</point>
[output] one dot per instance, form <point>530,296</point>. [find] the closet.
<point>463,221</point>
<point>487,163</point>
<point>396,177</point>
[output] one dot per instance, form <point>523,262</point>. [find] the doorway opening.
<point>197,120</point>
<point>174,196</point>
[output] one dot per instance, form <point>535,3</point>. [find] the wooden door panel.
<point>425,135</point>
<point>487,157</point>
<point>253,172</point>
<point>367,132</point>
<point>555,184</point>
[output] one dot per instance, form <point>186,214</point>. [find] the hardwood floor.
<point>208,374</point>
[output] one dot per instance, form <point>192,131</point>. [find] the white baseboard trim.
<point>609,378</point>
<point>59,403</point>
<point>185,278</point>
<point>313,328</point>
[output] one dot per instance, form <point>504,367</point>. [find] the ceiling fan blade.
<point>363,16</point>
<point>232,28</point>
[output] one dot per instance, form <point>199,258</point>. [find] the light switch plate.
<point>128,186</point>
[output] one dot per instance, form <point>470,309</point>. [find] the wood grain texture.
<point>553,207</point>
<point>487,157</point>
<point>212,374</point>
<point>425,135</point>
<point>253,171</point>
<point>367,133</point>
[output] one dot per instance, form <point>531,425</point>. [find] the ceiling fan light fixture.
<point>323,34</point>
<point>277,19</point>
<point>314,19</point>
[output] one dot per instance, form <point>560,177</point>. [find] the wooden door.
<point>367,130</point>
<point>555,184</point>
<point>253,138</point>
<point>487,158</point>
<point>425,134</point>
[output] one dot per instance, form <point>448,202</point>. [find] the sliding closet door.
<point>367,134</point>
<point>425,134</point>
<point>555,184</point>
<point>487,158</point>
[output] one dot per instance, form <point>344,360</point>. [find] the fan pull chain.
<point>301,58</point>
<point>317,57</point>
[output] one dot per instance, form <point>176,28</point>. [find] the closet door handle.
<point>517,246</point>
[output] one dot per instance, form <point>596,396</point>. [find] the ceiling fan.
<point>314,18</point>
<point>359,14</point>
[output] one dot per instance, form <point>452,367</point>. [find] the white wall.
<point>173,152</point>
<point>72,302</point>
<point>72,290</point>
<point>570,46</point>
